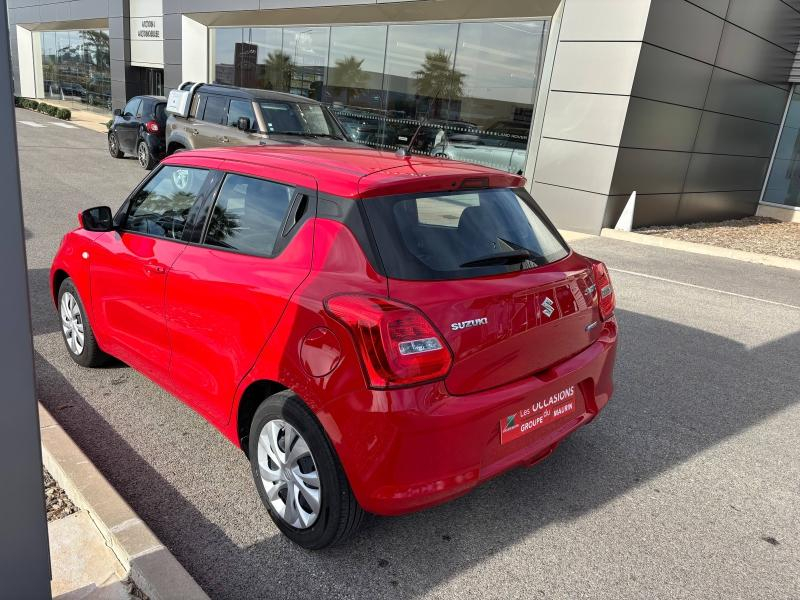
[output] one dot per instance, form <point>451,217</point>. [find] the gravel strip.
<point>58,503</point>
<point>752,234</point>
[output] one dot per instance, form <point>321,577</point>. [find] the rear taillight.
<point>152,127</point>
<point>605,292</point>
<point>397,343</point>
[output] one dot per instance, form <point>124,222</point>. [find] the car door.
<point>235,136</point>
<point>214,122</point>
<point>129,266</point>
<point>226,294</point>
<point>127,127</point>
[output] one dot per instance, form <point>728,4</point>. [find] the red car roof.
<point>355,172</point>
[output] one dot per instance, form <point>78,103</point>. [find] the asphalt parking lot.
<point>687,486</point>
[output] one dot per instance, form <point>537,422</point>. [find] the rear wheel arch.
<point>174,147</point>
<point>252,397</point>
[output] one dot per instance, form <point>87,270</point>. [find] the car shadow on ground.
<point>679,391</point>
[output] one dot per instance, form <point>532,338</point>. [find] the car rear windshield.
<point>456,235</point>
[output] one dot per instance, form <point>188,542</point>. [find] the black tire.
<point>144,156</point>
<point>340,515</point>
<point>113,146</point>
<point>90,355</point>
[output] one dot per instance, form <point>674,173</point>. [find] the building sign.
<point>147,28</point>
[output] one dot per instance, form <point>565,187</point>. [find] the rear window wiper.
<point>511,257</point>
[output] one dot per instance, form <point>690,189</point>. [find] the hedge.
<point>47,109</point>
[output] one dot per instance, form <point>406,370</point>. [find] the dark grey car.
<point>221,115</point>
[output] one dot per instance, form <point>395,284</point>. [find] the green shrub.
<point>109,123</point>
<point>64,113</point>
<point>33,104</point>
<point>42,108</point>
<point>25,103</point>
<point>52,111</point>
<point>17,101</point>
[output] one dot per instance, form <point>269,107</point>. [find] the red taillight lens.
<point>397,343</point>
<point>605,292</point>
<point>152,127</point>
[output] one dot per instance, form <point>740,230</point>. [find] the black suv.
<point>212,115</point>
<point>139,129</point>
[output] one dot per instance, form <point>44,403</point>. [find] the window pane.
<point>162,206</point>
<point>783,185</point>
<point>227,57</point>
<point>216,107</point>
<point>430,237</point>
<point>248,215</point>
<point>241,108</point>
<point>420,81</point>
<point>132,107</point>
<point>76,67</point>
<point>307,49</point>
<point>271,63</point>
<point>355,80</point>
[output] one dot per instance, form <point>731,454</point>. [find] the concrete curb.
<point>152,567</point>
<point>695,248</point>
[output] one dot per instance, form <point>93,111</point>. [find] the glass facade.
<point>458,90</point>
<point>76,66</point>
<point>783,184</point>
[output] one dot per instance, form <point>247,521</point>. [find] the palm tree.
<point>437,79</point>
<point>278,75</point>
<point>347,73</point>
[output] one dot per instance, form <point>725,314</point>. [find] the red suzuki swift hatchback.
<point>377,332</point>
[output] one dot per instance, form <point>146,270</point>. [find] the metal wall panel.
<point>738,95</point>
<point>579,210</point>
<point>649,171</point>
<point>718,7</point>
<point>742,52</point>
<point>716,206</point>
<point>660,126</point>
<point>651,209</point>
<point>578,165</point>
<point>723,134</point>
<point>684,28</point>
<point>604,21</point>
<point>669,77</point>
<point>595,67</point>
<point>770,19</point>
<point>718,173</point>
<point>593,118</point>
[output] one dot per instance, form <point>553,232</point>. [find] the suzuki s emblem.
<point>547,307</point>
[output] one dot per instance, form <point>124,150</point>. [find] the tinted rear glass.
<point>461,234</point>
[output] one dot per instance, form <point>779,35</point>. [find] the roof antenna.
<point>405,152</point>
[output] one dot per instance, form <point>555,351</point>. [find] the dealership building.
<point>691,104</point>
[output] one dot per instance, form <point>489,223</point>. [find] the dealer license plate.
<point>539,414</point>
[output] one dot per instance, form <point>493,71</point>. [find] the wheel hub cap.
<point>72,323</point>
<point>289,474</point>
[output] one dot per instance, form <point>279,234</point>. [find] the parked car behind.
<point>377,332</point>
<point>140,129</point>
<point>222,115</point>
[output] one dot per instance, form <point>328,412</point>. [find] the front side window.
<point>132,107</point>
<point>296,118</point>
<point>456,235</point>
<point>248,215</point>
<point>241,108</point>
<point>162,206</point>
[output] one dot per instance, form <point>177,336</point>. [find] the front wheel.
<point>76,329</point>
<point>298,475</point>
<point>113,146</point>
<point>146,159</point>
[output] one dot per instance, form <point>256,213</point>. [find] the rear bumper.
<point>405,450</point>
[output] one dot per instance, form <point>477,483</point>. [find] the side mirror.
<point>98,218</point>
<point>117,112</point>
<point>243,124</point>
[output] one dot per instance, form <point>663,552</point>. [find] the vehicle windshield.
<point>456,235</point>
<point>298,118</point>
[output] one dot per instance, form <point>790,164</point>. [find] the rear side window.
<point>248,215</point>
<point>160,113</point>
<point>216,110</point>
<point>241,108</point>
<point>132,107</point>
<point>457,235</point>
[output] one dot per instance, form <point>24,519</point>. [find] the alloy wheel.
<point>72,323</point>
<point>289,474</point>
<point>143,158</point>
